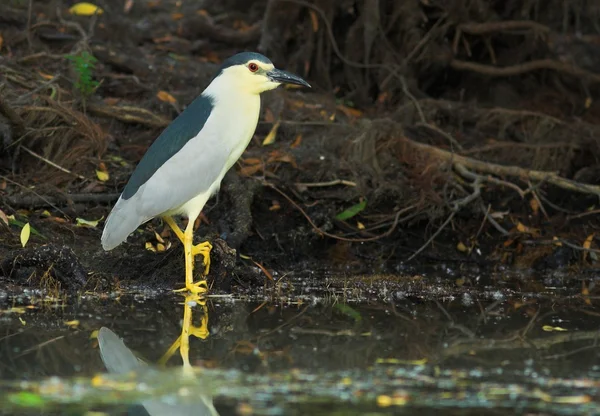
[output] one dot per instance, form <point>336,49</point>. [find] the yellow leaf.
<point>270,139</point>
<point>549,328</point>
<point>102,176</point>
<point>521,228</point>
<point>150,247</point>
<point>87,223</point>
<point>461,247</point>
<point>94,334</point>
<point>45,76</point>
<point>588,102</point>
<point>160,247</point>
<point>275,206</point>
<point>587,244</point>
<point>85,9</point>
<point>72,324</point>
<point>158,237</point>
<point>166,97</point>
<point>360,225</point>
<point>25,233</point>
<point>297,141</point>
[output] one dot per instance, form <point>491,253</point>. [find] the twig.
<point>584,214</point>
<point>492,220</point>
<point>129,114</point>
<point>448,136</point>
<point>439,230</point>
<point>37,201</point>
<point>488,27</point>
<point>325,233</point>
<point>36,194</point>
<point>530,66</point>
<point>51,163</point>
<point>29,13</point>
<point>303,185</point>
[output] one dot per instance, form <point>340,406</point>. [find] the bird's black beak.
<point>284,77</point>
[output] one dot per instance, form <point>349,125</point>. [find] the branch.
<point>501,170</point>
<point>530,66</point>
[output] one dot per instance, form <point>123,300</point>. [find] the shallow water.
<point>393,345</point>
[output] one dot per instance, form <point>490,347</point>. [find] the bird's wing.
<point>182,163</point>
<point>191,172</point>
<point>177,134</point>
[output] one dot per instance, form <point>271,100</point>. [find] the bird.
<point>185,165</point>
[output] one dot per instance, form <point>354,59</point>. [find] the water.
<point>332,346</point>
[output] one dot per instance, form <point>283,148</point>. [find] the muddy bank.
<point>411,149</point>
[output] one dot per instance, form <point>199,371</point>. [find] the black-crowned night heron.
<point>184,167</point>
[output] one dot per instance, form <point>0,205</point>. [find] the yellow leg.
<point>183,342</point>
<point>202,248</point>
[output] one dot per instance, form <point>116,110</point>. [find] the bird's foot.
<point>204,249</point>
<point>198,288</point>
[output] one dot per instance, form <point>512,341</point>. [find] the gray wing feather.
<point>187,174</point>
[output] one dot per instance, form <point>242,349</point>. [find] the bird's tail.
<point>122,221</point>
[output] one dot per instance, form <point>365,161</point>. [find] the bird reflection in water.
<point>119,359</point>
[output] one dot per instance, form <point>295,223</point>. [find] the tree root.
<point>501,170</point>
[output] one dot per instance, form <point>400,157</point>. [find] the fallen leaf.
<point>94,334</point>
<point>158,237</point>
<point>588,102</point>
<point>352,211</point>
<point>102,176</point>
<point>269,116</point>
<point>314,20</point>
<point>85,9</point>
<point>360,225</point>
<point>349,112</point>
<point>276,206</point>
<point>585,293</point>
<point>461,247</point>
<point>535,205</point>
<point>111,100</point>
<point>177,16</point>
<point>25,233</point>
<point>149,246</point>
<point>265,271</point>
<point>160,247</point>
<point>549,328</point>
<point>587,244</point>
<point>166,97</point>
<point>297,141</point>
<point>270,139</point>
<point>87,223</point>
<point>72,324</point>
<point>1,41</point>
<point>128,5</point>
<point>3,217</point>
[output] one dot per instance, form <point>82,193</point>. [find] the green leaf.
<point>349,311</point>
<point>26,398</point>
<point>13,221</point>
<point>352,211</point>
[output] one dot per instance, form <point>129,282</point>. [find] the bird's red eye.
<point>252,67</point>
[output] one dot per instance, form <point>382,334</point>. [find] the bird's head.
<point>254,73</point>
